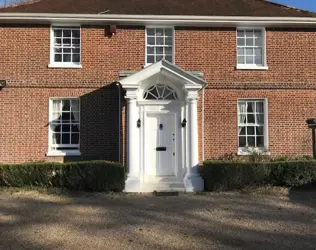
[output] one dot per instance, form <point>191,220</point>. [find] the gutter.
<point>179,20</point>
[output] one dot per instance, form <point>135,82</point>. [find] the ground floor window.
<point>252,123</point>
<point>64,124</point>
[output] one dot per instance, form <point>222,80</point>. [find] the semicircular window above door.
<point>160,92</point>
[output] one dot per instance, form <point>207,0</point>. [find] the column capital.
<point>192,95</point>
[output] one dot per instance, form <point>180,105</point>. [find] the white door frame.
<point>187,86</point>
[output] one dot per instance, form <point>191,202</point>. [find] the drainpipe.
<point>119,121</point>
<point>203,127</point>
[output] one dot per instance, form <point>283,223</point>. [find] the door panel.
<point>160,144</point>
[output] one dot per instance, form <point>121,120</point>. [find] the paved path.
<point>33,220</point>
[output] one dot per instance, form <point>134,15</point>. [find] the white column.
<point>132,183</point>
<point>193,181</point>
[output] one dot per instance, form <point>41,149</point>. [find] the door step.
<point>163,187</point>
<point>171,193</point>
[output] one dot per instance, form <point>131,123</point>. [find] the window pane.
<point>249,51</point>
<point>258,42</point>
<point>57,58</point>
<point>260,119</point>
<point>56,138</point>
<point>168,41</point>
<point>158,58</point>
<point>74,138</point>
<point>259,130</point>
<point>65,139</point>
<point>241,59</point>
<point>65,117</point>
<point>58,42</point>
<point>259,107</point>
<point>58,50</point>
<point>65,128</point>
<point>249,33</point>
<point>251,118</point>
<point>168,50</point>
<point>57,33</point>
<point>76,42</point>
<point>67,50</point>
<point>240,51</point>
<point>66,58</point>
<point>251,141</point>
<point>242,141</point>
<point>258,33</point>
<point>258,60</point>
<point>75,33</point>
<point>75,128</point>
<point>169,58</point>
<point>66,42</point>
<point>159,41</point>
<point>150,50</point>
<point>75,51</point>
<point>151,40</point>
<point>242,130</point>
<point>168,32</point>
<point>240,41</point>
<point>258,51</point>
<point>66,33</point>
<point>159,32</point>
<point>249,60</point>
<point>159,50</point>
<point>249,42</point>
<point>260,141</point>
<point>250,107</point>
<point>150,32</point>
<point>150,59</point>
<point>66,105</point>
<point>250,130</point>
<point>76,58</point>
<point>240,33</point>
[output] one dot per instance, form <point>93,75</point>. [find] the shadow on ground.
<point>32,220</point>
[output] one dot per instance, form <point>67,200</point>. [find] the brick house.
<point>158,85</point>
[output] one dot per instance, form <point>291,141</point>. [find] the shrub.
<point>84,176</point>
<point>226,175</point>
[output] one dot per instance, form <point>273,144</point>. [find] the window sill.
<point>65,66</point>
<point>64,153</point>
<point>245,151</point>
<point>252,67</point>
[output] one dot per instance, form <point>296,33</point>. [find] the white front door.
<point>160,140</point>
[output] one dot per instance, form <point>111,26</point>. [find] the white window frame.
<point>265,149</point>
<point>264,51</point>
<point>173,41</point>
<point>70,152</point>
<point>54,64</point>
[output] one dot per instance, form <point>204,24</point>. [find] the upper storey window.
<point>159,44</point>
<point>65,47</point>
<point>251,49</point>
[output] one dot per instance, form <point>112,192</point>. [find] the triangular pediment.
<point>166,69</point>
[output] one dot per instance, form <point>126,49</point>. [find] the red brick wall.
<point>25,55</point>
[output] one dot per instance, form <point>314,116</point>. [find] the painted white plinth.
<point>132,185</point>
<point>193,183</point>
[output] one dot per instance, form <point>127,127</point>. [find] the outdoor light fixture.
<point>3,83</point>
<point>184,123</point>
<point>139,123</point>
<point>312,125</point>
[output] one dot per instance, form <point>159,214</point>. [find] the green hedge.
<point>83,176</point>
<point>229,175</point>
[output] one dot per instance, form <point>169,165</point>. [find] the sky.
<point>301,4</point>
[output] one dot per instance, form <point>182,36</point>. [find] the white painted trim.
<point>251,67</point>
<point>183,20</point>
<point>64,153</point>
<point>173,41</point>
<point>67,65</point>
<point>264,48</point>
<point>265,150</point>
<point>50,118</point>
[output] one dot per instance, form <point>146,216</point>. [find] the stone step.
<point>162,187</point>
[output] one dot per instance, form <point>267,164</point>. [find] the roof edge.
<point>183,20</point>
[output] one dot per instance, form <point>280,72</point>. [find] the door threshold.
<point>166,193</point>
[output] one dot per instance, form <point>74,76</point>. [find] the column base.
<point>193,183</point>
<point>132,185</point>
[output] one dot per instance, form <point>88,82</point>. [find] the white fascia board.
<point>175,20</point>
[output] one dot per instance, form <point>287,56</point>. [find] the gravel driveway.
<point>34,220</point>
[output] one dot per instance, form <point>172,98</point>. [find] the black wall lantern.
<point>312,125</point>
<point>3,83</point>
<point>184,123</point>
<point>139,123</point>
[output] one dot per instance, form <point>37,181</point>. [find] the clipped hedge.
<point>83,176</point>
<point>229,175</point>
